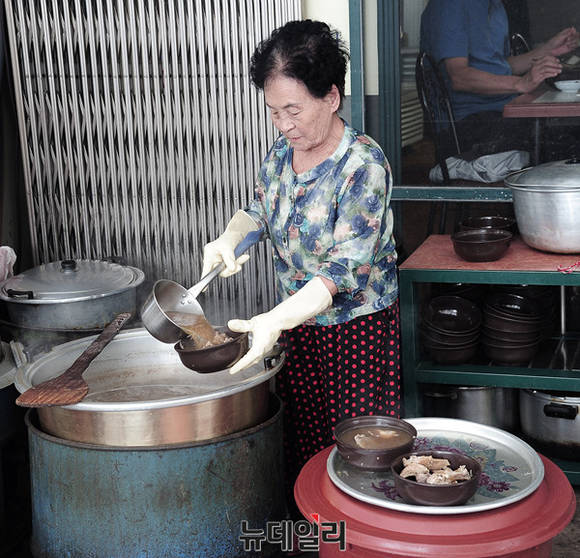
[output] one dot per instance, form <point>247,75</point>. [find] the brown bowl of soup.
<point>373,442</point>
<point>225,350</point>
<point>436,478</point>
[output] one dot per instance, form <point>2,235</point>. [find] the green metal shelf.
<point>490,277</point>
<point>435,262</point>
<point>469,192</point>
<point>513,377</point>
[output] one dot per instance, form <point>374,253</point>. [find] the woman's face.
<point>305,120</point>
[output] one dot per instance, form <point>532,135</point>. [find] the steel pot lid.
<point>553,176</point>
<point>70,281</point>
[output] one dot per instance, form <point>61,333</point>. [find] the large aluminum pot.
<point>71,294</point>
<point>491,405</point>
<point>547,205</point>
<point>553,420</point>
<point>141,395</point>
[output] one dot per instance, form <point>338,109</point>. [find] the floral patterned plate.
<point>512,469</point>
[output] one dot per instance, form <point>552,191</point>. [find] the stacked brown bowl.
<point>450,329</point>
<point>488,222</point>
<point>512,329</point>
<point>544,297</point>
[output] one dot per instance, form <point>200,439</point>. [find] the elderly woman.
<point>322,197</point>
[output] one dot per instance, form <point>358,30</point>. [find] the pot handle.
<point>558,410</point>
<point>451,395</point>
<point>19,294</point>
<point>271,359</point>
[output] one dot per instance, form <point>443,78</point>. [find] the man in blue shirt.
<point>469,39</point>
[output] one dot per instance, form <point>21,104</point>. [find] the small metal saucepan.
<point>169,296</point>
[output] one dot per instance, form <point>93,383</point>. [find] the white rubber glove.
<point>310,300</point>
<point>222,248</point>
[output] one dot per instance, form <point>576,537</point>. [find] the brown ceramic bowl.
<point>501,322</point>
<point>452,314</point>
<point>520,338</point>
<point>481,245</point>
<point>513,306</point>
<point>432,336</point>
<point>509,355</point>
<point>452,354</point>
<point>423,494</point>
<point>213,359</point>
<point>488,222</point>
<point>372,459</point>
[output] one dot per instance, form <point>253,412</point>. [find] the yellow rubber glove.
<point>222,248</point>
<point>310,300</point>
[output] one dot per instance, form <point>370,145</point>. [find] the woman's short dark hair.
<point>309,51</point>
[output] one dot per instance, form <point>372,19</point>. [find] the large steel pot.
<point>491,405</point>
<point>553,420</point>
<point>547,205</point>
<point>140,394</point>
<point>71,294</point>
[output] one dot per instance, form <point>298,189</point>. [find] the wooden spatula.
<point>70,387</point>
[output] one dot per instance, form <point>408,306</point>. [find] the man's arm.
<point>465,78</point>
<point>563,42</point>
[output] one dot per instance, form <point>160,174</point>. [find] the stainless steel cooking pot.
<point>552,419</point>
<point>494,406</point>
<point>547,205</point>
<point>141,395</point>
<point>71,294</point>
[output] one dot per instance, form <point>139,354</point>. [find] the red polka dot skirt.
<point>334,372</point>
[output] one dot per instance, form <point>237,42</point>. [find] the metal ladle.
<point>169,296</point>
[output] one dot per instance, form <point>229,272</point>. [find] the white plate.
<point>568,85</point>
<point>512,469</point>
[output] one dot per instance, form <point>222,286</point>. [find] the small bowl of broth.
<point>373,442</point>
<point>222,352</point>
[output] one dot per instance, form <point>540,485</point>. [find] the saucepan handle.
<point>248,241</point>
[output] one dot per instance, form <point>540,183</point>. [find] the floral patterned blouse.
<point>334,221</point>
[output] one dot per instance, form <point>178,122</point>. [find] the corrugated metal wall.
<point>141,132</point>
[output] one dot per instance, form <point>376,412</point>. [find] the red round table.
<point>522,529</point>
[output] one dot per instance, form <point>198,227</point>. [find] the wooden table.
<point>540,104</point>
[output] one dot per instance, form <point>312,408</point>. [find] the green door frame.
<point>388,25</point>
<point>357,79</point>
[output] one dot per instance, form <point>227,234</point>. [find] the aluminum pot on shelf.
<point>552,418</point>
<point>491,405</point>
<point>547,204</point>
